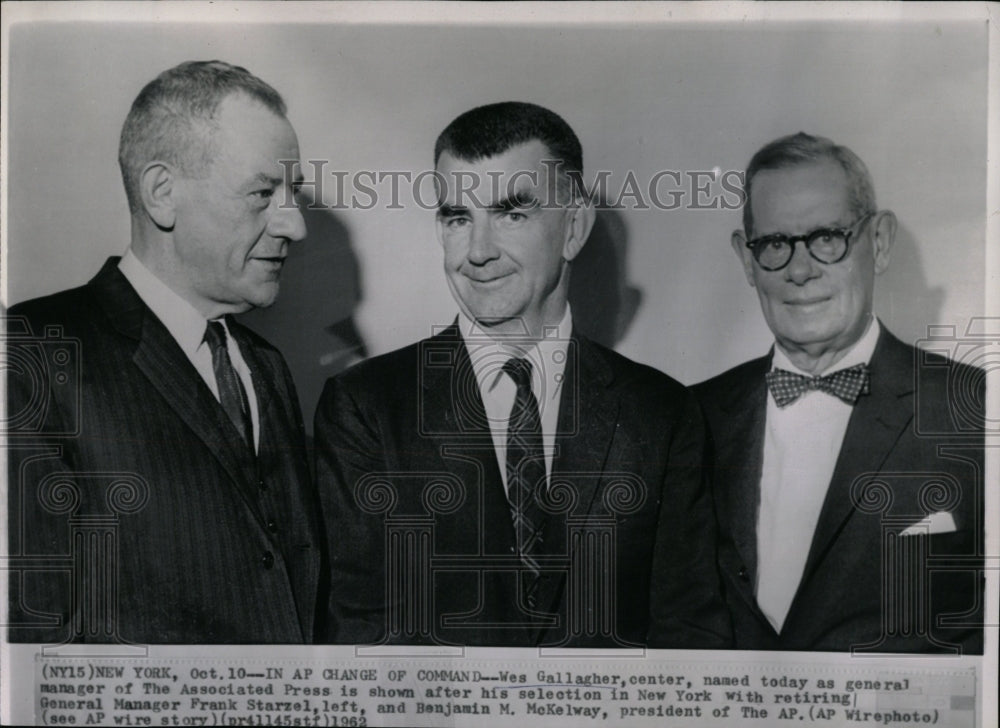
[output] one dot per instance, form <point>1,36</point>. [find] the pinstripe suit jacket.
<point>129,483</point>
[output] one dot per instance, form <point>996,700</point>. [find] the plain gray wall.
<point>663,286</point>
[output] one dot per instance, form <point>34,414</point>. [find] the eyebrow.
<point>826,226</point>
<point>520,201</point>
<point>523,200</point>
<point>262,178</point>
<point>452,210</point>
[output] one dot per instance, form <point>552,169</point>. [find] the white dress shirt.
<point>548,366</point>
<point>187,327</point>
<point>801,444</point>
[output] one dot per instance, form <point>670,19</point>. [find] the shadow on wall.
<point>904,300</point>
<point>604,304</point>
<point>312,323</point>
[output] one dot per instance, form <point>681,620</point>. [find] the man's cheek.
<point>453,257</point>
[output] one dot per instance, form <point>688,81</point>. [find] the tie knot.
<point>520,371</point>
<point>215,335</point>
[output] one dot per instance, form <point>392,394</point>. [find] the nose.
<point>482,249</point>
<point>287,221</point>
<point>802,267</point>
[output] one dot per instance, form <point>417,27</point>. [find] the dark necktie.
<point>525,475</point>
<point>231,393</point>
<point>846,384</point>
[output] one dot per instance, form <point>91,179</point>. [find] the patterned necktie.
<point>525,475</point>
<point>846,384</point>
<point>231,393</point>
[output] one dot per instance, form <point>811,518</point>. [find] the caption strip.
<point>471,692</point>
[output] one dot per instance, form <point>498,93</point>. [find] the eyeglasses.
<point>827,245</point>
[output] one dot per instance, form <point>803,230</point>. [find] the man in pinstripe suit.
<point>159,488</point>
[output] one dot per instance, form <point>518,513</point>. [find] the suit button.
<point>267,560</point>
<point>272,526</point>
<point>743,573</point>
<point>262,485</point>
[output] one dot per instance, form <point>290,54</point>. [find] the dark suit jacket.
<point>422,545</point>
<point>120,435</point>
<point>913,447</point>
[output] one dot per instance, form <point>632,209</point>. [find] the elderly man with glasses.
<point>847,475</point>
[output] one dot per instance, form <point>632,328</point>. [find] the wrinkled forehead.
<point>250,139</point>
<point>522,172</point>
<point>800,198</point>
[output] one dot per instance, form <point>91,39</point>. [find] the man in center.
<point>508,481</point>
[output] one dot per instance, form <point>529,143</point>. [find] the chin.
<point>261,300</point>
<point>490,318</point>
<point>802,332</point>
<point>814,338</point>
<point>486,310</point>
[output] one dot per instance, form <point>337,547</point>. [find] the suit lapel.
<point>164,364</point>
<point>875,425</point>
<point>271,418</point>
<point>588,416</point>
<point>741,456</point>
<point>452,420</point>
<point>261,374</point>
<point>452,414</point>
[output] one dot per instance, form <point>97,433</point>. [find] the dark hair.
<point>797,149</point>
<point>172,118</point>
<point>487,131</point>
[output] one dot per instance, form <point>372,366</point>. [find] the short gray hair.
<point>172,118</point>
<point>802,148</point>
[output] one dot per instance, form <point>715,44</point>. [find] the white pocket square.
<point>940,522</point>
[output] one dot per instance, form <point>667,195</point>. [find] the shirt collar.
<point>860,353</point>
<point>488,353</point>
<point>181,319</point>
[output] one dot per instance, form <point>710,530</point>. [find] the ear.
<point>739,243</point>
<point>156,185</point>
<point>581,222</point>
<point>883,236</point>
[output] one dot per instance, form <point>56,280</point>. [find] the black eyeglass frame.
<point>808,239</point>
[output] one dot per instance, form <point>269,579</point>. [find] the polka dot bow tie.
<point>845,384</point>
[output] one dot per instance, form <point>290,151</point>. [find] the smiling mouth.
<point>276,260</point>
<point>486,281</point>
<point>807,301</point>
